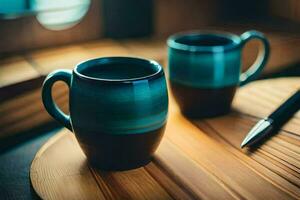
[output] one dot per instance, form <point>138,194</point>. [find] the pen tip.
<point>243,144</point>
<point>262,128</point>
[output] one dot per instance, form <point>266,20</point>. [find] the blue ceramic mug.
<point>205,69</point>
<point>118,109</point>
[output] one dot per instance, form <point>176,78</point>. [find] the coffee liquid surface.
<point>118,71</point>
<point>204,40</point>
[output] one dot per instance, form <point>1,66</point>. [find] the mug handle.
<point>50,105</point>
<point>263,55</point>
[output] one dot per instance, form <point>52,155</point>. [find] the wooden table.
<point>197,159</point>
<point>21,111</point>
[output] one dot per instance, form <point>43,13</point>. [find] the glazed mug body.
<point>205,69</point>
<point>118,110</point>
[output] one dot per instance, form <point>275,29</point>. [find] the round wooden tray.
<point>196,159</point>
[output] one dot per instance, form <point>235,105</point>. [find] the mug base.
<point>119,167</point>
<point>203,102</point>
<point>199,113</point>
<point>119,151</point>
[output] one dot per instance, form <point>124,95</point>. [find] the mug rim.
<point>173,43</point>
<point>119,59</point>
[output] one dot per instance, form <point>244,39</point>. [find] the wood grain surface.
<point>198,159</point>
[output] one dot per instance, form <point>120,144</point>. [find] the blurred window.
<point>52,14</point>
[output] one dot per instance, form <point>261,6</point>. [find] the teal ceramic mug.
<point>205,69</point>
<point>118,109</point>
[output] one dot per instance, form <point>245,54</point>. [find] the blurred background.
<point>38,36</point>
<point>32,24</point>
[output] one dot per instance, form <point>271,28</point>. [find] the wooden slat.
<point>79,178</point>
<point>175,189</point>
<point>47,60</point>
<point>155,49</point>
<point>14,70</point>
<point>27,111</point>
<point>190,175</point>
<point>29,108</point>
<point>132,184</point>
<point>104,48</point>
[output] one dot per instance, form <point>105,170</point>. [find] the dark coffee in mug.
<point>118,109</point>
<point>205,70</point>
<point>117,71</point>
